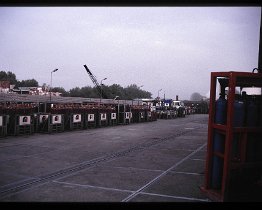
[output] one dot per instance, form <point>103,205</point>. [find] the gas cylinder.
<point>251,121</point>
<point>259,143</point>
<point>252,113</point>
<point>221,110</point>
<point>238,121</point>
<point>239,113</point>
<point>219,142</point>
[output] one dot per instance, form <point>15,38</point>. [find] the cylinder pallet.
<point>73,121</point>
<point>102,119</point>
<point>154,116</point>
<point>138,116</point>
<point>90,120</point>
<point>3,125</point>
<point>112,119</point>
<point>43,123</point>
<point>56,123</point>
<point>148,116</point>
<point>23,125</point>
<point>124,118</point>
<point>124,114</point>
<point>233,163</point>
<point>173,114</point>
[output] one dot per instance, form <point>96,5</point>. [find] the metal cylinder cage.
<point>28,118</point>
<point>24,117</point>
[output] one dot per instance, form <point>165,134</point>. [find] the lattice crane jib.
<point>94,80</point>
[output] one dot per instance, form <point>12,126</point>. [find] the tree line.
<point>11,77</point>
<point>124,93</point>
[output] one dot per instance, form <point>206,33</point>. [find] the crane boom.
<point>94,80</point>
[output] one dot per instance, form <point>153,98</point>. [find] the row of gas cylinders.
<point>64,117</point>
<point>31,108</point>
<point>170,114</point>
<point>174,113</point>
<point>247,112</point>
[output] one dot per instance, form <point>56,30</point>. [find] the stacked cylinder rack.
<point>234,147</point>
<point>90,116</point>
<point>3,122</point>
<point>103,115</point>
<point>28,117</point>
<point>18,119</point>
<point>124,115</point>
<point>143,113</point>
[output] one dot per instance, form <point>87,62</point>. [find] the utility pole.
<point>101,89</point>
<point>51,82</point>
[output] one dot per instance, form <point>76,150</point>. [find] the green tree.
<point>27,83</point>
<point>114,90</point>
<point>89,92</point>
<point>133,91</point>
<point>60,90</point>
<point>9,76</point>
<point>75,92</point>
<point>196,97</point>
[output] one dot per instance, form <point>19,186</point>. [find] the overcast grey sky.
<point>168,48</point>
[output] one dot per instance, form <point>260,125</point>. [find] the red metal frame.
<point>235,79</point>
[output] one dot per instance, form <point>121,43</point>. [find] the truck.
<point>180,108</point>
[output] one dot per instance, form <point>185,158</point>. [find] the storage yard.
<point>162,161</point>
<point>126,150</point>
<point>72,149</point>
<point>114,141</point>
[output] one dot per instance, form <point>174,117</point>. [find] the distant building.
<point>4,86</point>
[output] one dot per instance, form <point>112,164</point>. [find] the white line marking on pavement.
<point>176,197</point>
<point>92,186</point>
<point>159,176</point>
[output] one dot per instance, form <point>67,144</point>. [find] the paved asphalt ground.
<point>160,161</point>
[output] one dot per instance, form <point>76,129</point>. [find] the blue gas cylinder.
<point>259,142</point>
<point>251,121</point>
<point>221,111</point>
<point>218,143</point>
<point>252,141</point>
<point>252,114</point>
<point>260,112</point>
<point>217,172</point>
<point>238,121</point>
<point>220,118</point>
<point>239,113</point>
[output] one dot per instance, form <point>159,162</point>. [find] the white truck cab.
<point>180,107</point>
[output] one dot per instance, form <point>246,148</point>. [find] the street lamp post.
<point>158,93</point>
<point>101,89</point>
<point>158,97</point>
<point>51,82</point>
<point>139,94</point>
<point>117,97</point>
